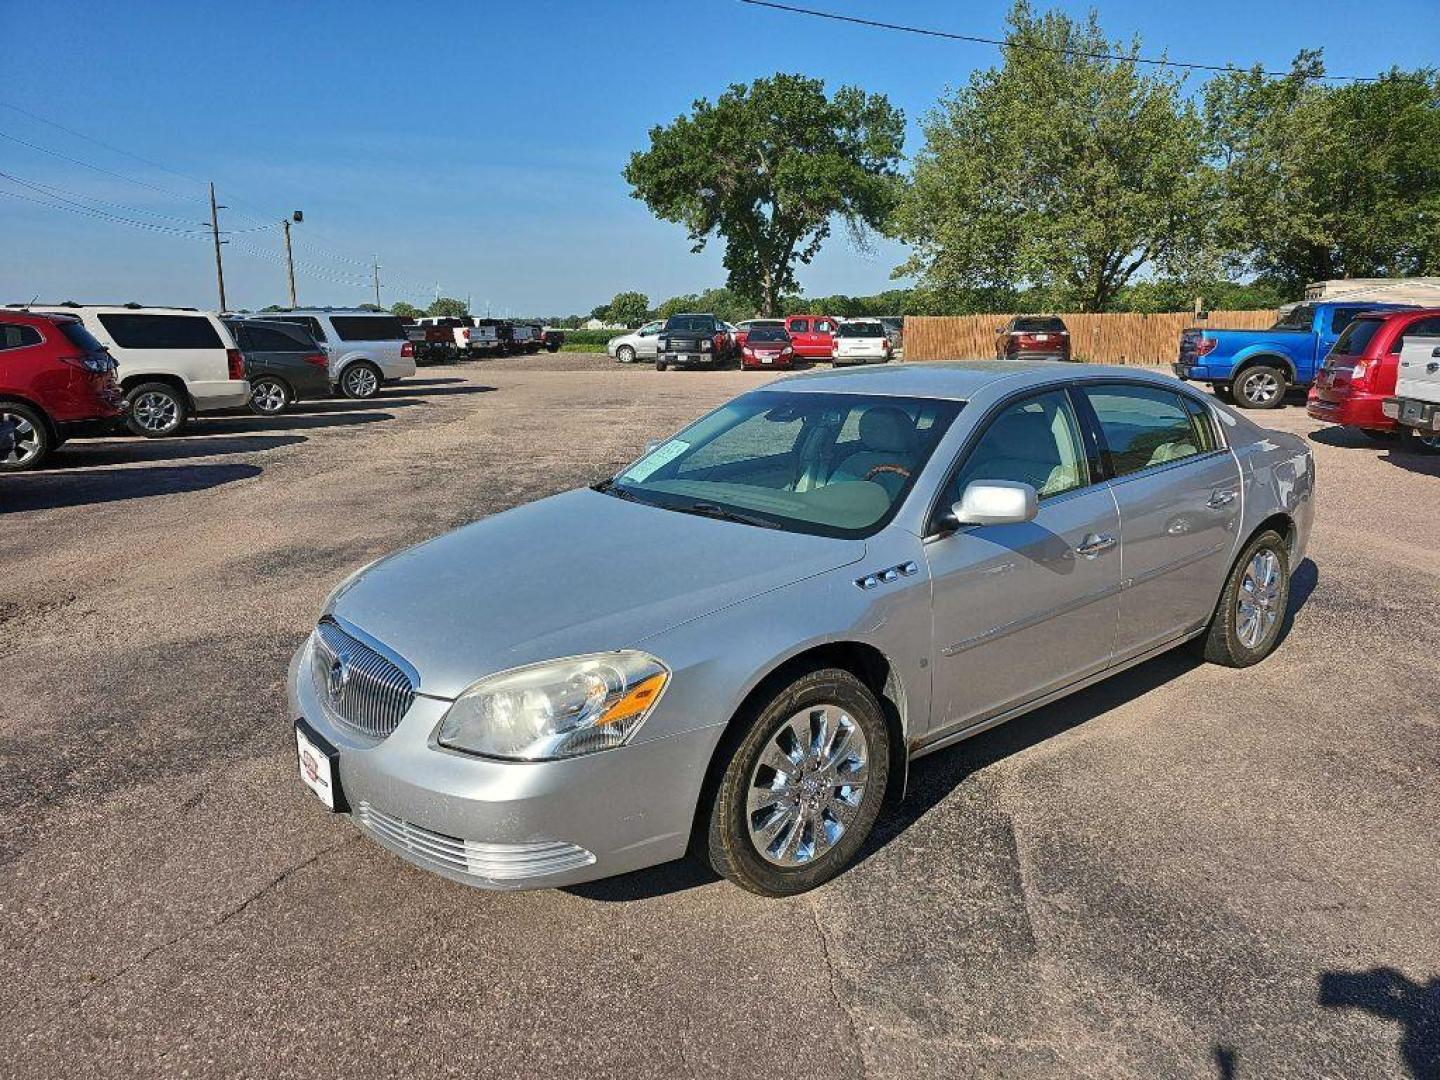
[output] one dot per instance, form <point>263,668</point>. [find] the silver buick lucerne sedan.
<point>734,647</point>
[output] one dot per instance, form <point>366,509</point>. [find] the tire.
<point>33,441</point>
<point>360,381</point>
<point>743,816</point>
<point>1415,442</point>
<point>1222,393</point>
<point>625,354</point>
<point>269,396</point>
<point>157,410</point>
<point>660,365</point>
<point>1230,640</point>
<point>1260,387</point>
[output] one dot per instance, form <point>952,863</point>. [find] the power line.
<point>55,203</point>
<point>85,164</point>
<point>877,24</point>
<point>67,195</point>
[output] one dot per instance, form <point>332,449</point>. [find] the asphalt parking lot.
<point>1186,871</point>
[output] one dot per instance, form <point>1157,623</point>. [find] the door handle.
<point>1095,543</point>
<point>1220,498</point>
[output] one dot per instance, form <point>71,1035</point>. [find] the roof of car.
<point>69,307</point>
<point>955,380</point>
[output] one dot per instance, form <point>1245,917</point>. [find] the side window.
<point>308,321</point>
<point>1035,441</point>
<point>161,331</point>
<point>269,339</point>
<point>1419,328</point>
<point>18,336</point>
<point>1145,426</point>
<point>824,326</point>
<point>800,326</point>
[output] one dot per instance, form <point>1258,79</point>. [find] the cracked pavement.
<point>1185,871</point>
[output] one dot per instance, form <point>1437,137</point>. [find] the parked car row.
<point>447,338</point>
<point>86,369</point>
<point>703,340</point>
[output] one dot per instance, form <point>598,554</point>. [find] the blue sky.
<point>480,146</point>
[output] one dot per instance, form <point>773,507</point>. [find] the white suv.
<point>366,348</point>
<point>173,362</point>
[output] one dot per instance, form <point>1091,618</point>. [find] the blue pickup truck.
<point>1254,368</point>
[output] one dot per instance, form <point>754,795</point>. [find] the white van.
<point>173,362</point>
<point>366,348</point>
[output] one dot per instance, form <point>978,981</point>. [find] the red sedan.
<point>767,346</point>
<point>1359,372</point>
<point>56,381</point>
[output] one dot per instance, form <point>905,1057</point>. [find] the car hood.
<point>575,573</point>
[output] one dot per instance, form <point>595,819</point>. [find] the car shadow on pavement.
<point>243,422</point>
<point>92,452</point>
<point>431,382</point>
<point>1349,438</point>
<point>934,777</point>
<point>405,393</point>
<point>1424,464</point>
<point>56,489</point>
<point>1391,995</point>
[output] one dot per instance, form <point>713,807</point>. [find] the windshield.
<point>829,464</point>
<point>762,334</point>
<point>698,324</point>
<point>1356,337</point>
<point>862,329</point>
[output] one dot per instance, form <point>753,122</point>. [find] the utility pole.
<point>377,280</point>
<point>215,233</point>
<point>290,263</point>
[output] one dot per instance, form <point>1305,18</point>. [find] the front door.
<point>1024,609</point>
<point>1178,490</point>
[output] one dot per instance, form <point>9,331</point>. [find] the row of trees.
<point>1070,176</point>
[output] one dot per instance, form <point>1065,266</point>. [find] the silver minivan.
<point>366,348</point>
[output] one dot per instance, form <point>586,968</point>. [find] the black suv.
<point>692,341</point>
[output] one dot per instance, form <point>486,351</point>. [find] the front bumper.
<point>691,359</point>
<point>511,824</point>
<point>1411,412</point>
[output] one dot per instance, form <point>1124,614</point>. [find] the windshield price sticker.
<point>656,459</point>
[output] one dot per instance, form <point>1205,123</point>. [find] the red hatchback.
<point>1359,371</point>
<point>56,381</point>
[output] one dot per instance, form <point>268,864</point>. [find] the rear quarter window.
<point>18,336</point>
<point>161,331</point>
<point>368,327</point>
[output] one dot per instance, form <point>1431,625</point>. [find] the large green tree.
<point>628,308</point>
<point>448,307</point>
<point>770,168</point>
<point>405,310</point>
<point>1060,171</point>
<point>1323,181</point>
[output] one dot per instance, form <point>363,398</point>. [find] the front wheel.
<point>156,410</point>
<point>360,381</point>
<point>625,354</point>
<point>802,790</point>
<point>32,437</point>
<point>660,365</point>
<point>1246,625</point>
<point>269,397</point>
<point>1260,387</point>
<point>1419,442</point>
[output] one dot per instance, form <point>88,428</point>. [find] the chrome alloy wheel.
<point>807,786</point>
<point>361,381</point>
<point>28,442</point>
<point>1257,602</point>
<point>155,412</point>
<point>268,397</point>
<point>1261,388</point>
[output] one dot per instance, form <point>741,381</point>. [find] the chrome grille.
<point>486,862</point>
<point>366,691</point>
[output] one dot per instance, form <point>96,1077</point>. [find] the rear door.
<point>1177,488</point>
<point>185,345</point>
<point>801,339</point>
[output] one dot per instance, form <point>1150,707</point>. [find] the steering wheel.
<point>898,470</point>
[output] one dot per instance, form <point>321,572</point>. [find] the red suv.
<point>1359,371</point>
<point>812,336</point>
<point>56,381</point>
<point>1033,337</point>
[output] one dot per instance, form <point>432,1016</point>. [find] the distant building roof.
<point>1405,290</point>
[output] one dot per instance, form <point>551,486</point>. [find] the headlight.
<point>705,345</point>
<point>557,709</point>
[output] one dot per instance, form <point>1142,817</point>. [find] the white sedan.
<point>642,344</point>
<point>861,341</point>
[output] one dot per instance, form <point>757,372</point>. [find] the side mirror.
<point>996,502</point>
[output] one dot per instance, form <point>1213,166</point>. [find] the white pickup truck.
<point>1416,404</point>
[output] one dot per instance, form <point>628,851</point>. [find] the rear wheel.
<point>156,410</point>
<point>32,437</point>
<point>1260,387</point>
<point>269,396</point>
<point>660,365</point>
<point>1419,442</point>
<point>360,381</point>
<point>803,788</point>
<point>1246,625</point>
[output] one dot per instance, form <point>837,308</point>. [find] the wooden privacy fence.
<point>1121,338</point>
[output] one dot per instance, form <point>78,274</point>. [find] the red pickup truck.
<point>812,336</point>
